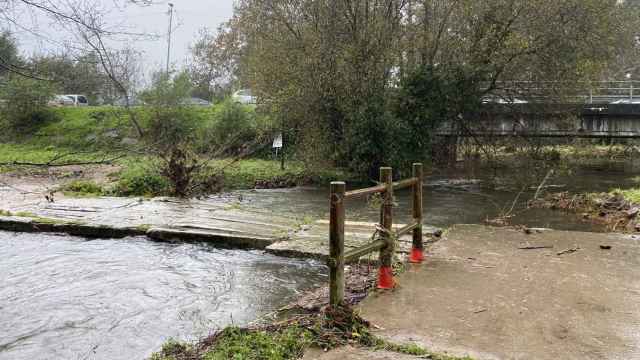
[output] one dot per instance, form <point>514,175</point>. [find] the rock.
<point>605,247</point>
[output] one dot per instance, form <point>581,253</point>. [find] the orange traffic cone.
<point>385,278</point>
<point>416,256</point>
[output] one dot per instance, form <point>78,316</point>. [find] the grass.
<point>34,217</point>
<point>326,330</point>
<point>631,195</point>
<point>83,188</point>
<point>91,134</point>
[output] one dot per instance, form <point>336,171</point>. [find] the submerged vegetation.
<point>618,209</point>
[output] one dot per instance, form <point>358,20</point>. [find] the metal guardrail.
<point>386,244</point>
<point>590,92</point>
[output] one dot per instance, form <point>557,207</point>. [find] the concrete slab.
<point>227,220</point>
<point>496,293</point>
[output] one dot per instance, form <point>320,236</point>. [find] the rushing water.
<point>456,198</point>
<point>63,297</point>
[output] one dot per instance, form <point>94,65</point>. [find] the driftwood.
<point>535,247</point>
<point>568,251</point>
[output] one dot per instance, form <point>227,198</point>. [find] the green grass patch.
<point>631,195</point>
<point>238,344</point>
<point>326,330</point>
<point>245,174</point>
<point>83,188</point>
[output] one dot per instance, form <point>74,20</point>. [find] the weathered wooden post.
<point>385,275</point>
<point>417,249</point>
<point>336,243</point>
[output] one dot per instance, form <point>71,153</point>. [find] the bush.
<point>24,105</point>
<point>83,188</point>
<point>140,181</point>
<point>232,127</point>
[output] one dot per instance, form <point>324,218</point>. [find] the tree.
<point>73,75</point>
<point>215,61</point>
<point>85,22</point>
<point>8,54</point>
<point>331,68</point>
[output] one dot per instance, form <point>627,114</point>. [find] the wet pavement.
<point>492,293</point>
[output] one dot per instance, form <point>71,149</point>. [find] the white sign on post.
<point>277,142</point>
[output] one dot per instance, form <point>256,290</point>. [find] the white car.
<point>60,100</point>
<point>78,100</point>
<point>243,96</point>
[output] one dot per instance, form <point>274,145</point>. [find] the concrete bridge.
<point>550,120</point>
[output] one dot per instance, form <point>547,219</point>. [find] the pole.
<point>336,243</point>
<point>385,275</point>
<point>282,152</point>
<point>169,37</point>
<point>417,250</point>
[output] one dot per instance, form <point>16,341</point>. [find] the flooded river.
<point>69,298</point>
<point>457,198</point>
<point>63,297</point>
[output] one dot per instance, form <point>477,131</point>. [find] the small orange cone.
<point>385,278</point>
<point>416,256</point>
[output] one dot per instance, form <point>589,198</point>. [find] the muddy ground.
<point>499,293</point>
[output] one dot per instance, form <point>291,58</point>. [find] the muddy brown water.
<point>457,198</point>
<point>63,297</point>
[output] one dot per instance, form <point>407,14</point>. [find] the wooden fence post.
<point>385,277</point>
<point>417,250</point>
<point>336,244</point>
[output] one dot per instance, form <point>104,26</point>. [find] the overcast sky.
<point>189,17</point>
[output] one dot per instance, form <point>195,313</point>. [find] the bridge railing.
<point>387,241</point>
<point>582,91</point>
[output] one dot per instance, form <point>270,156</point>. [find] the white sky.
<point>189,17</point>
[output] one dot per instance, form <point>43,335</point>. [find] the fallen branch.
<point>544,181</point>
<point>568,251</point>
<point>53,163</point>
<point>535,247</point>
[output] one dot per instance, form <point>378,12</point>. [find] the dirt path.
<point>559,297</point>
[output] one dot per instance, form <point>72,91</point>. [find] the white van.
<point>78,100</point>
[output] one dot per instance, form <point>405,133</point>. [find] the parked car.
<point>244,96</point>
<point>60,100</point>
<point>78,100</point>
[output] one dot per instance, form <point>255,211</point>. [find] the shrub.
<point>24,104</point>
<point>232,127</point>
<point>140,181</point>
<point>83,188</point>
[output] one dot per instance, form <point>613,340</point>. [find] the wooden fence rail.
<point>386,244</point>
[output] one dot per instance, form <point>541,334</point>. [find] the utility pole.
<point>169,37</point>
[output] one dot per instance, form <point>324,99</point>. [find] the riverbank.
<point>618,210</point>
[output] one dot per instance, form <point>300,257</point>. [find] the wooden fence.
<point>386,244</point>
